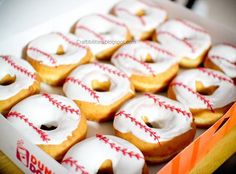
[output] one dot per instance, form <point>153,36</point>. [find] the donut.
<point>55,55</point>
<point>110,155</point>
<point>222,57</point>
<point>186,39</point>
<point>158,126</point>
<point>51,121</point>
<point>208,94</point>
<point>103,33</point>
<point>149,65</point>
<point>141,17</point>
<point>98,89</point>
<point>18,80</point>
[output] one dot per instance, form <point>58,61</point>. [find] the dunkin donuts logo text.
<point>30,161</point>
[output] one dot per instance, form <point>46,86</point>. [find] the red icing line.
<point>140,125</point>
<point>168,106</point>
<point>19,68</point>
<point>111,20</point>
<point>109,70</point>
<point>86,88</point>
<point>100,37</point>
<point>151,5</point>
<point>117,148</point>
<point>71,42</point>
<point>126,11</point>
<point>175,37</point>
<point>222,58</point>
<point>61,106</point>
<point>199,96</point>
<point>42,134</point>
<point>161,50</point>
<point>230,45</point>
<point>73,163</point>
<point>124,55</point>
<point>216,76</point>
<point>51,59</point>
<point>191,26</point>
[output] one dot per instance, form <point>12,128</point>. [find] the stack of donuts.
<point>155,79</point>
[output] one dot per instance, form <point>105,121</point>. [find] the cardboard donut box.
<point>205,154</point>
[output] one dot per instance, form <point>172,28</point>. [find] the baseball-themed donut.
<point>208,93</point>
<point>52,122</point>
<point>186,39</point>
<point>158,126</point>
<point>18,80</point>
<point>141,17</point>
<point>98,89</point>
<point>55,55</point>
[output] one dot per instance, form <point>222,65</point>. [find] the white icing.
<point>170,123</point>
<point>226,52</point>
<point>39,111</point>
<point>101,31</point>
<point>120,86</point>
<point>92,152</point>
<point>49,44</point>
<point>126,11</point>
<point>223,95</point>
<point>139,50</point>
<point>22,81</point>
<point>184,31</point>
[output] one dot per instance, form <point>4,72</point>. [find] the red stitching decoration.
<point>51,59</point>
<point>230,45</point>
<point>42,134</point>
<point>117,148</point>
<point>175,37</point>
<point>86,88</point>
<point>216,76</point>
<point>124,55</point>
<point>61,106</point>
<point>111,20</point>
<point>168,106</point>
<point>71,42</point>
<point>73,163</point>
<point>140,125</point>
<point>199,96</point>
<point>109,70</point>
<point>186,23</point>
<point>99,36</point>
<point>158,49</point>
<point>19,68</point>
<point>222,58</point>
<point>126,11</point>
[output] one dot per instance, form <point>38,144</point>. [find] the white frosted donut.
<point>158,126</point>
<point>56,54</point>
<point>102,33</point>
<point>49,121</point>
<point>122,154</point>
<point>132,59</point>
<point>185,39</point>
<point>79,87</point>
<point>223,57</point>
<point>16,76</point>
<point>141,25</point>
<point>186,89</point>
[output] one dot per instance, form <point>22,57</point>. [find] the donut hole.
<point>150,124</point>
<point>60,50</point>
<point>148,59</point>
<point>106,167</point>
<point>7,80</point>
<point>140,13</point>
<point>99,86</point>
<point>49,126</point>
<point>201,89</point>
